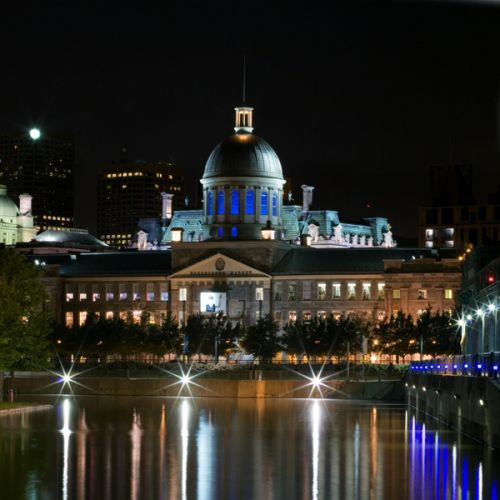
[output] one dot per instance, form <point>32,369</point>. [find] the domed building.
<point>243,201</point>
<point>16,223</point>
<point>242,185</point>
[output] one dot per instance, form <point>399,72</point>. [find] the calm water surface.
<point>149,448</point>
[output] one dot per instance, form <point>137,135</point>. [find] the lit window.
<point>322,315</point>
<point>336,290</point>
<point>422,294</point>
<point>110,296</point>
<point>69,319</point>
<point>235,202</point>
<point>351,291</point>
<point>123,295</point>
<point>263,203</point>
<point>381,315</point>
<point>234,232</point>
<point>336,315</point>
<point>96,296</point>
<point>306,316</point>
<point>82,317</point>
<point>429,244</point>
<point>395,312</point>
<point>321,291</point>
<point>69,296</point>
<point>291,292</point>
<point>292,316</point>
<point>220,203</point>
<point>380,291</point>
<point>367,291</point>
<point>150,296</point>
<point>164,296</point>
<point>123,315</point>
<point>249,203</point>
<point>448,293</point>
<point>259,293</point>
<point>275,205</point>
<point>136,296</point>
<point>182,294</point>
<point>136,316</point>
<point>396,294</point>
<point>83,296</point>
<point>109,315</point>
<point>429,234</point>
<point>210,203</point>
<point>220,232</point>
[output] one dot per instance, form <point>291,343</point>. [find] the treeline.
<point>432,334</point>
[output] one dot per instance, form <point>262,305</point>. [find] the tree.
<point>397,335</point>
<point>306,338</point>
<point>24,323</point>
<point>262,339</point>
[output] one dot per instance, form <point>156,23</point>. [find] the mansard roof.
<point>126,263</point>
<point>306,260</point>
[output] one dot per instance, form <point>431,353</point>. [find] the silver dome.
<point>243,155</point>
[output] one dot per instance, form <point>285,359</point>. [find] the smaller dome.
<point>68,237</point>
<point>7,206</point>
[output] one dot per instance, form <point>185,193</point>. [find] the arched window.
<point>210,203</point>
<point>235,202</point>
<point>220,203</point>
<point>275,204</point>
<point>263,203</point>
<point>249,203</point>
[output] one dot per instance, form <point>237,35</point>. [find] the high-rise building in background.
<point>41,164</point>
<point>455,219</point>
<point>129,191</point>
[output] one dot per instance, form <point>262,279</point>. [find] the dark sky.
<point>358,98</point>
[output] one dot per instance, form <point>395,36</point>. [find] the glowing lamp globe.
<point>35,134</point>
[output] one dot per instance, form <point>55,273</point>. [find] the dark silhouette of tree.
<point>262,340</point>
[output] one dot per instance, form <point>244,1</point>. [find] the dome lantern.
<point>244,120</point>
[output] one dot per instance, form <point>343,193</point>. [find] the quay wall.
<point>469,404</point>
<point>391,390</point>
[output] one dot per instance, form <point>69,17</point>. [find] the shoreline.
<point>7,408</point>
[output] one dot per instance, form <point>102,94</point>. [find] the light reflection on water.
<point>204,449</point>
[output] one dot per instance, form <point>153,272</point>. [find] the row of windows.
<point>323,294</point>
<point>234,208</point>
<point>422,294</point>
<point>150,296</point>
<point>136,316</point>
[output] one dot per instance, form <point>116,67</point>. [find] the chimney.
<point>307,197</point>
<point>25,203</point>
<point>166,206</point>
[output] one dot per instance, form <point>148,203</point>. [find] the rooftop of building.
<point>70,236</point>
<point>127,263</point>
<point>305,260</point>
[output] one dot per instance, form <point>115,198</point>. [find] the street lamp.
<point>35,134</point>
<point>183,298</point>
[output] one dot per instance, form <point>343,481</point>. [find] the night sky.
<point>358,98</point>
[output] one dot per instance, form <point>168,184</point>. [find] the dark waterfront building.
<point>129,191</point>
<point>480,301</point>
<point>455,219</point>
<point>42,164</point>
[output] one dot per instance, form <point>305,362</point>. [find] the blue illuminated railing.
<point>477,365</point>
